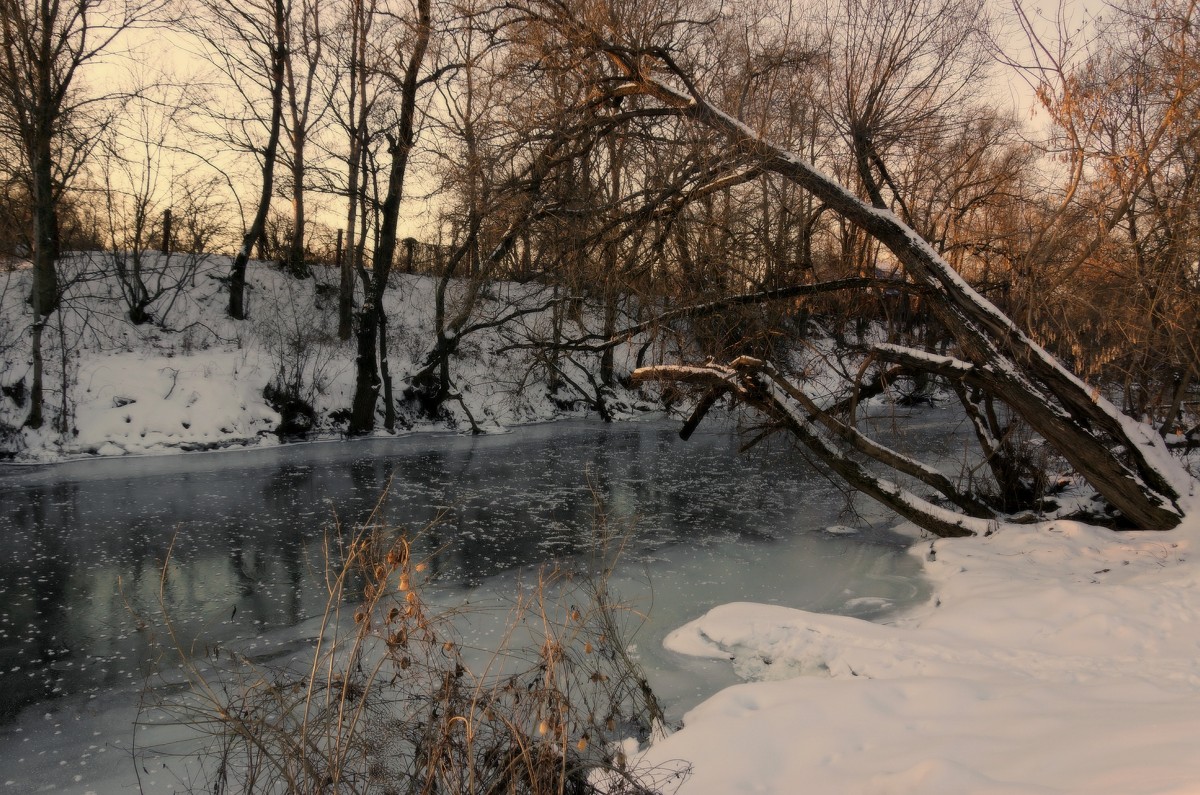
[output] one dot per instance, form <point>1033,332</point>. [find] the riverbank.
<point>1054,658</point>
<point>193,379</point>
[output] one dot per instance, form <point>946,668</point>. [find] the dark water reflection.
<point>82,545</point>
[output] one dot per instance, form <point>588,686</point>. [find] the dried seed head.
<point>421,567</point>
<point>582,744</point>
<point>543,728</point>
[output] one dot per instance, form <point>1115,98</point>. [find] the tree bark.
<point>366,374</point>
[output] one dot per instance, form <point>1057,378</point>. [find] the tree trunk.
<point>307,48</point>
<point>610,328</point>
<point>347,265</point>
<point>36,389</point>
<point>372,319</point>
<point>297,265</point>
<point>366,374</point>
<point>389,400</point>
<point>356,124</point>
<point>166,233</point>
<point>237,274</point>
<point>44,293</point>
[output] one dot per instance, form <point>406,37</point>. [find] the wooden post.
<point>166,235</point>
<point>410,245</point>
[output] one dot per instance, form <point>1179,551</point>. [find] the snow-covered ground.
<point>195,379</point>
<point>1054,658</point>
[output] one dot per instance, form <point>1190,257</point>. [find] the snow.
<point>194,379</point>
<point>934,359</point>
<point>138,405</point>
<point>1053,658</point>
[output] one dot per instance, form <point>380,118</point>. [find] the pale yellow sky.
<point>171,58</point>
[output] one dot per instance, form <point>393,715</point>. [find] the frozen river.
<point>83,545</point>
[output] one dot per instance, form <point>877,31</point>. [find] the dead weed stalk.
<point>390,700</point>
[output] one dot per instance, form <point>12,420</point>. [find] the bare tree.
<point>371,373</point>
<point>357,84</point>
<point>249,41</point>
<point>54,122</point>
<point>133,166</point>
<point>302,68</point>
<point>1125,116</point>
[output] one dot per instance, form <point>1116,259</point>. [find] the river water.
<point>83,545</point>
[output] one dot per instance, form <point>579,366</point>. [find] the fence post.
<point>166,235</point>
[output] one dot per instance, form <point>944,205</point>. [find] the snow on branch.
<point>918,359</point>
<point>757,384</point>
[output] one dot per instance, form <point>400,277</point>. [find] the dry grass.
<point>391,701</point>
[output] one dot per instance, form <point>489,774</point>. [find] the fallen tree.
<point>759,384</point>
<point>1126,462</point>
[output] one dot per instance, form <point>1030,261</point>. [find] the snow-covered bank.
<point>194,379</point>
<point>1054,658</point>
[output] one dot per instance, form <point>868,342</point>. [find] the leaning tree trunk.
<point>1124,461</point>
<point>758,384</point>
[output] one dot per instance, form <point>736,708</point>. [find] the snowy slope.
<point>194,379</point>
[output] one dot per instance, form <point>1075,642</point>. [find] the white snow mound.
<point>1055,658</point>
